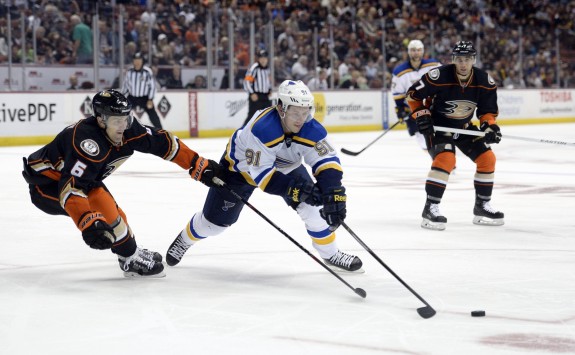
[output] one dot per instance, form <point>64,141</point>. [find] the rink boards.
<point>35,118</point>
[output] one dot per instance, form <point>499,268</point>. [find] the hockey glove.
<point>402,114</point>
<point>302,190</point>
<point>334,210</point>
<point>492,133</point>
<point>205,170</point>
<point>422,117</point>
<point>96,232</point>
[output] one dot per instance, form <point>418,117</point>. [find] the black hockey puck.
<point>478,313</point>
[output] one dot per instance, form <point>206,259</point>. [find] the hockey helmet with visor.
<point>296,94</point>
<point>113,107</point>
<point>464,49</point>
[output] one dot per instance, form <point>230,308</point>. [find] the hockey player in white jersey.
<point>404,75</point>
<point>267,153</point>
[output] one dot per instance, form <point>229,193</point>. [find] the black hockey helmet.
<point>110,103</point>
<point>463,48</point>
<point>262,53</point>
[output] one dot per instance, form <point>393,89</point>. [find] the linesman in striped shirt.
<point>258,85</point>
<point>140,88</point>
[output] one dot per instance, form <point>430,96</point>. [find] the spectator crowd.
<point>517,40</point>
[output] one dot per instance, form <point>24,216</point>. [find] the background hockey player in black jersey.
<point>449,96</point>
<point>66,176</point>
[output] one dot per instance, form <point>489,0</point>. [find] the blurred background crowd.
<point>342,43</point>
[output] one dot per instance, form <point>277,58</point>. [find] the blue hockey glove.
<point>334,211</point>
<point>302,190</point>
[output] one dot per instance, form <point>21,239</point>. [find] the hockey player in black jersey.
<point>66,176</point>
<point>449,96</point>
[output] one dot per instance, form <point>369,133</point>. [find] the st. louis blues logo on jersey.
<point>227,205</point>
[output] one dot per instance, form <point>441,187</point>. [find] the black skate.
<point>177,250</point>
<point>486,215</point>
<point>341,261</point>
<point>154,255</point>
<point>432,217</point>
<point>141,264</point>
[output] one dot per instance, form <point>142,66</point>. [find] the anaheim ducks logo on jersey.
<point>490,79</point>
<point>459,109</point>
<point>114,165</point>
<point>90,147</point>
<point>434,74</point>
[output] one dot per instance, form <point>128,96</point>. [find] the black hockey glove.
<point>334,210</point>
<point>422,117</point>
<point>302,190</point>
<point>402,114</point>
<point>492,132</point>
<point>205,170</point>
<point>96,232</point>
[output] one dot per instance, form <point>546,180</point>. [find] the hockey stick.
<point>359,291</point>
<point>481,134</point>
<point>424,312</point>
<point>349,152</point>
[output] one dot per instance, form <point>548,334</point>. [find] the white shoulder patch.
<point>490,80</point>
<point>434,74</point>
<point>90,147</point>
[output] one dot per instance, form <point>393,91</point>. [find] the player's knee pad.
<point>444,161</point>
<point>201,227</point>
<point>486,162</point>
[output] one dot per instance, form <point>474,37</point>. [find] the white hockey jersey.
<point>404,75</point>
<point>263,153</point>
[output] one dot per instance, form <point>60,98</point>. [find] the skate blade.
<point>344,271</point>
<point>135,275</point>
<point>486,221</point>
<point>436,226</point>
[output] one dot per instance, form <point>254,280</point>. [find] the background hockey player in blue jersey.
<point>267,153</point>
<point>404,75</point>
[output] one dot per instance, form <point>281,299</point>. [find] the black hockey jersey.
<point>451,102</point>
<point>81,157</point>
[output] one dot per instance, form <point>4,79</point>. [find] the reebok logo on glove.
<point>295,195</point>
<point>339,198</point>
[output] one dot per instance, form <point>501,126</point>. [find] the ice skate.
<point>142,264</point>
<point>154,255</point>
<point>177,250</point>
<point>486,215</point>
<point>343,262</point>
<point>432,217</point>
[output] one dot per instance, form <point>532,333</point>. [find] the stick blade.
<point>360,292</point>
<point>349,152</point>
<point>426,312</point>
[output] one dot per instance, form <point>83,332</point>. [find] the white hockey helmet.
<point>415,44</point>
<point>296,93</point>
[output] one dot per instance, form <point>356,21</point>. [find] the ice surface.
<point>251,291</point>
